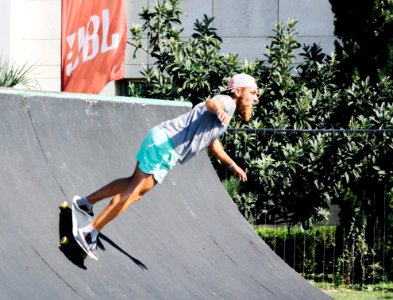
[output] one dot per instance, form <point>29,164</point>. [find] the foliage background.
<point>293,177</point>
<point>365,32</point>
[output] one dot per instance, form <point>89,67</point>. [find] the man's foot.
<point>83,205</point>
<point>89,243</point>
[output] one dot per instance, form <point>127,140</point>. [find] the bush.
<point>311,253</point>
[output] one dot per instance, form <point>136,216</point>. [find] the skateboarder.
<point>174,140</point>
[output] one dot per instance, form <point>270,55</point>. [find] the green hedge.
<point>313,253</point>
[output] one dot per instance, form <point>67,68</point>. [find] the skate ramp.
<point>184,240</point>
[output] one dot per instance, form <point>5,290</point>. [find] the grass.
<point>370,292</point>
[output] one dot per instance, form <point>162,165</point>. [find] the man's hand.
<point>218,151</point>
<point>223,117</point>
<point>217,107</point>
<point>239,173</point>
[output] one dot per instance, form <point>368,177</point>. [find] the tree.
<point>183,69</point>
<point>287,170</point>
<point>365,32</point>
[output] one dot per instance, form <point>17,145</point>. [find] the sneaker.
<point>82,205</point>
<point>89,244</point>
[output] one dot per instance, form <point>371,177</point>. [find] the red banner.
<point>93,43</point>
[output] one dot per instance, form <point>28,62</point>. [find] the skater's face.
<point>247,97</point>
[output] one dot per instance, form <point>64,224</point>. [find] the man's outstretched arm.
<point>218,151</point>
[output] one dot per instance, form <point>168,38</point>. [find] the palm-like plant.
<point>12,74</point>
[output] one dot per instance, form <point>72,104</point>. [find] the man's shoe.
<point>88,243</point>
<point>83,205</point>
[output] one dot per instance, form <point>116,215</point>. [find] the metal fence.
<point>340,256</point>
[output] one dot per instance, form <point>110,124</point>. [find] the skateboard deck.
<point>68,245</point>
<point>79,220</point>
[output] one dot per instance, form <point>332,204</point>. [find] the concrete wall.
<point>30,30</point>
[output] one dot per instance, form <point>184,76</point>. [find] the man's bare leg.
<point>126,191</point>
<point>129,191</point>
<point>113,188</point>
<point>109,190</point>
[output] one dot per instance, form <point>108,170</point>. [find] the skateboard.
<point>70,220</point>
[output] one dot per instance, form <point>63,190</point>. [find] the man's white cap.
<point>242,80</point>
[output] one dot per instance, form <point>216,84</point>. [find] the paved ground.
<point>184,240</point>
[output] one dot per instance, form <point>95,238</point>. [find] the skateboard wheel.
<point>84,256</point>
<point>64,241</point>
<point>63,205</point>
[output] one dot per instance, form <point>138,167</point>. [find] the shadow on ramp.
<point>114,245</point>
<point>73,252</point>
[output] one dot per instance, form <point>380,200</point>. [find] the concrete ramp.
<point>184,240</point>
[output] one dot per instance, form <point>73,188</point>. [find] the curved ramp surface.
<point>184,240</point>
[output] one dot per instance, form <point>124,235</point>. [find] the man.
<point>174,140</point>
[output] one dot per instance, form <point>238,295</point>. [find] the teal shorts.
<point>156,154</point>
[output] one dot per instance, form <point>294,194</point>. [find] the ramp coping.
<point>91,97</point>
